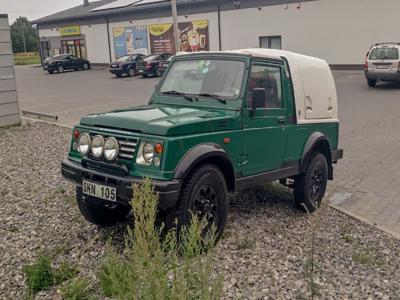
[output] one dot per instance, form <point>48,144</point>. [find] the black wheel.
<point>85,67</point>
<point>310,187</point>
<point>371,83</point>
<point>60,69</point>
<point>100,212</point>
<point>118,75</point>
<point>51,72</point>
<point>158,74</point>
<point>131,72</point>
<point>203,194</point>
<point>144,75</point>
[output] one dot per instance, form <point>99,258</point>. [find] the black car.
<point>126,65</point>
<point>151,63</point>
<point>163,65</point>
<point>62,62</point>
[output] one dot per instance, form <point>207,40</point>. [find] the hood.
<point>165,120</point>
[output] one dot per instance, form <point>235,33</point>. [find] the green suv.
<point>217,123</point>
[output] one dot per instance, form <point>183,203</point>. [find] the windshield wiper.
<point>218,97</point>
<point>176,93</point>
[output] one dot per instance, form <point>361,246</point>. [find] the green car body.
<point>249,146</point>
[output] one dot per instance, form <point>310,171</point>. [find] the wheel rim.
<point>317,182</point>
<point>206,205</point>
<point>131,72</point>
<point>85,66</point>
<point>60,69</point>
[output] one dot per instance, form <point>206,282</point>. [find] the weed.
<point>347,238</point>
<point>60,190</point>
<point>154,268</point>
<point>77,289</point>
<point>39,275</point>
<point>64,272</point>
<point>366,257</point>
<point>245,243</point>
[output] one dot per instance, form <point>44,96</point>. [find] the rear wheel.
<point>158,74</point>
<point>131,72</point>
<point>204,194</point>
<point>85,66</point>
<point>310,187</point>
<point>60,69</point>
<point>371,83</point>
<point>100,212</point>
<point>51,71</point>
<point>118,75</point>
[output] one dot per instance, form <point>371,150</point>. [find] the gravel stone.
<point>264,252</point>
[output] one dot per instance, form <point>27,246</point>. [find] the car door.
<point>76,62</point>
<point>264,128</point>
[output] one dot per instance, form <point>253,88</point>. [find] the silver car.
<point>382,63</point>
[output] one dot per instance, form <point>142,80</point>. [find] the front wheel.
<point>131,72</point>
<point>310,187</point>
<point>85,66</point>
<point>204,195</point>
<point>50,71</point>
<point>371,83</point>
<point>60,69</point>
<point>101,212</point>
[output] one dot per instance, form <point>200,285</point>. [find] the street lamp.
<point>23,34</point>
<point>176,28</point>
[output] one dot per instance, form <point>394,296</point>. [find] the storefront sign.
<point>194,36</point>
<point>70,30</point>
<point>130,40</point>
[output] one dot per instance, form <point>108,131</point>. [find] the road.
<point>367,180</point>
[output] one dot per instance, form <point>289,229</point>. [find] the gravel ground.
<point>265,252</point>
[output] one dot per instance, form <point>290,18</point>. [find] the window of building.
<point>268,78</point>
<point>271,42</point>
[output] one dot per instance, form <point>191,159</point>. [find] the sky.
<point>34,9</point>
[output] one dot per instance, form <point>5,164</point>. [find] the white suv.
<point>382,63</point>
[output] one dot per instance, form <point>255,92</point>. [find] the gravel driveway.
<point>265,252</point>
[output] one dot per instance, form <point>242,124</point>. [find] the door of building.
<point>74,47</point>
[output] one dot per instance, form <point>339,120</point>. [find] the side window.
<point>268,78</point>
<point>73,57</point>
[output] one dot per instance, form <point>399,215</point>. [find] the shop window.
<point>271,42</point>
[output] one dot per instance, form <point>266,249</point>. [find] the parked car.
<point>126,65</point>
<point>216,124</point>
<point>163,65</point>
<point>151,63</point>
<point>382,63</point>
<point>62,62</point>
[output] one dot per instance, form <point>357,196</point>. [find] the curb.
<point>24,119</point>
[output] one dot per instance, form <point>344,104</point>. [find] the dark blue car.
<point>126,65</point>
<point>62,62</point>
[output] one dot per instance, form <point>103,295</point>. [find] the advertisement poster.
<point>194,36</point>
<point>130,40</point>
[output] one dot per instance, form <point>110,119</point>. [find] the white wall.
<point>48,33</point>
<point>339,31</point>
<point>212,27</point>
<point>96,43</point>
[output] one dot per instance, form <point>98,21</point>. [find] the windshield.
<point>384,53</point>
<point>150,58</point>
<point>123,59</point>
<point>222,78</point>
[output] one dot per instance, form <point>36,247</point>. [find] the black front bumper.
<point>118,71</point>
<point>168,190</point>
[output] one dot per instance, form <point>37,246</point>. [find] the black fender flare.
<point>207,153</point>
<point>319,141</point>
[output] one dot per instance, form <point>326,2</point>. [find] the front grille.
<point>127,148</point>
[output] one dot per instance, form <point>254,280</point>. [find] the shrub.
<point>151,267</point>
<point>77,289</point>
<point>64,272</point>
<point>39,275</point>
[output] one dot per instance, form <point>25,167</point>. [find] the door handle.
<point>282,120</point>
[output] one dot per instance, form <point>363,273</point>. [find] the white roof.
<point>313,83</point>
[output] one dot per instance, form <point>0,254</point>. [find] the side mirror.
<point>259,97</point>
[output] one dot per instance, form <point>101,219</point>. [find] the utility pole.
<point>176,28</point>
<point>23,34</point>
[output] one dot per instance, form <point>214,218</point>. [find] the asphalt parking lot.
<point>367,180</point>
<point>77,93</point>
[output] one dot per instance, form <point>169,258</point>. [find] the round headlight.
<point>148,152</point>
<point>97,146</point>
<point>84,142</point>
<point>111,148</point>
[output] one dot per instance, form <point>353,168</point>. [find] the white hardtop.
<point>313,83</point>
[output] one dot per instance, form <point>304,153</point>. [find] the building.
<point>9,108</point>
<point>339,31</point>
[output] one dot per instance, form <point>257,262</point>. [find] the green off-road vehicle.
<point>218,122</point>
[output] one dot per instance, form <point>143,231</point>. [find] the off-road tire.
<point>310,187</point>
<point>371,83</point>
<point>202,178</point>
<point>131,72</point>
<point>101,212</point>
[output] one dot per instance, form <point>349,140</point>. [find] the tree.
<point>23,36</point>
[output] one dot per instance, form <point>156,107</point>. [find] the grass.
<point>174,266</point>
<point>366,257</point>
<point>64,272</point>
<point>245,243</point>
<point>27,60</point>
<point>77,289</point>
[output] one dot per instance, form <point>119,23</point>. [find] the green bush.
<point>64,272</point>
<point>151,267</point>
<point>39,275</point>
<point>77,289</point>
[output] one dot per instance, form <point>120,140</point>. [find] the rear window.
<point>384,54</point>
<point>151,58</point>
